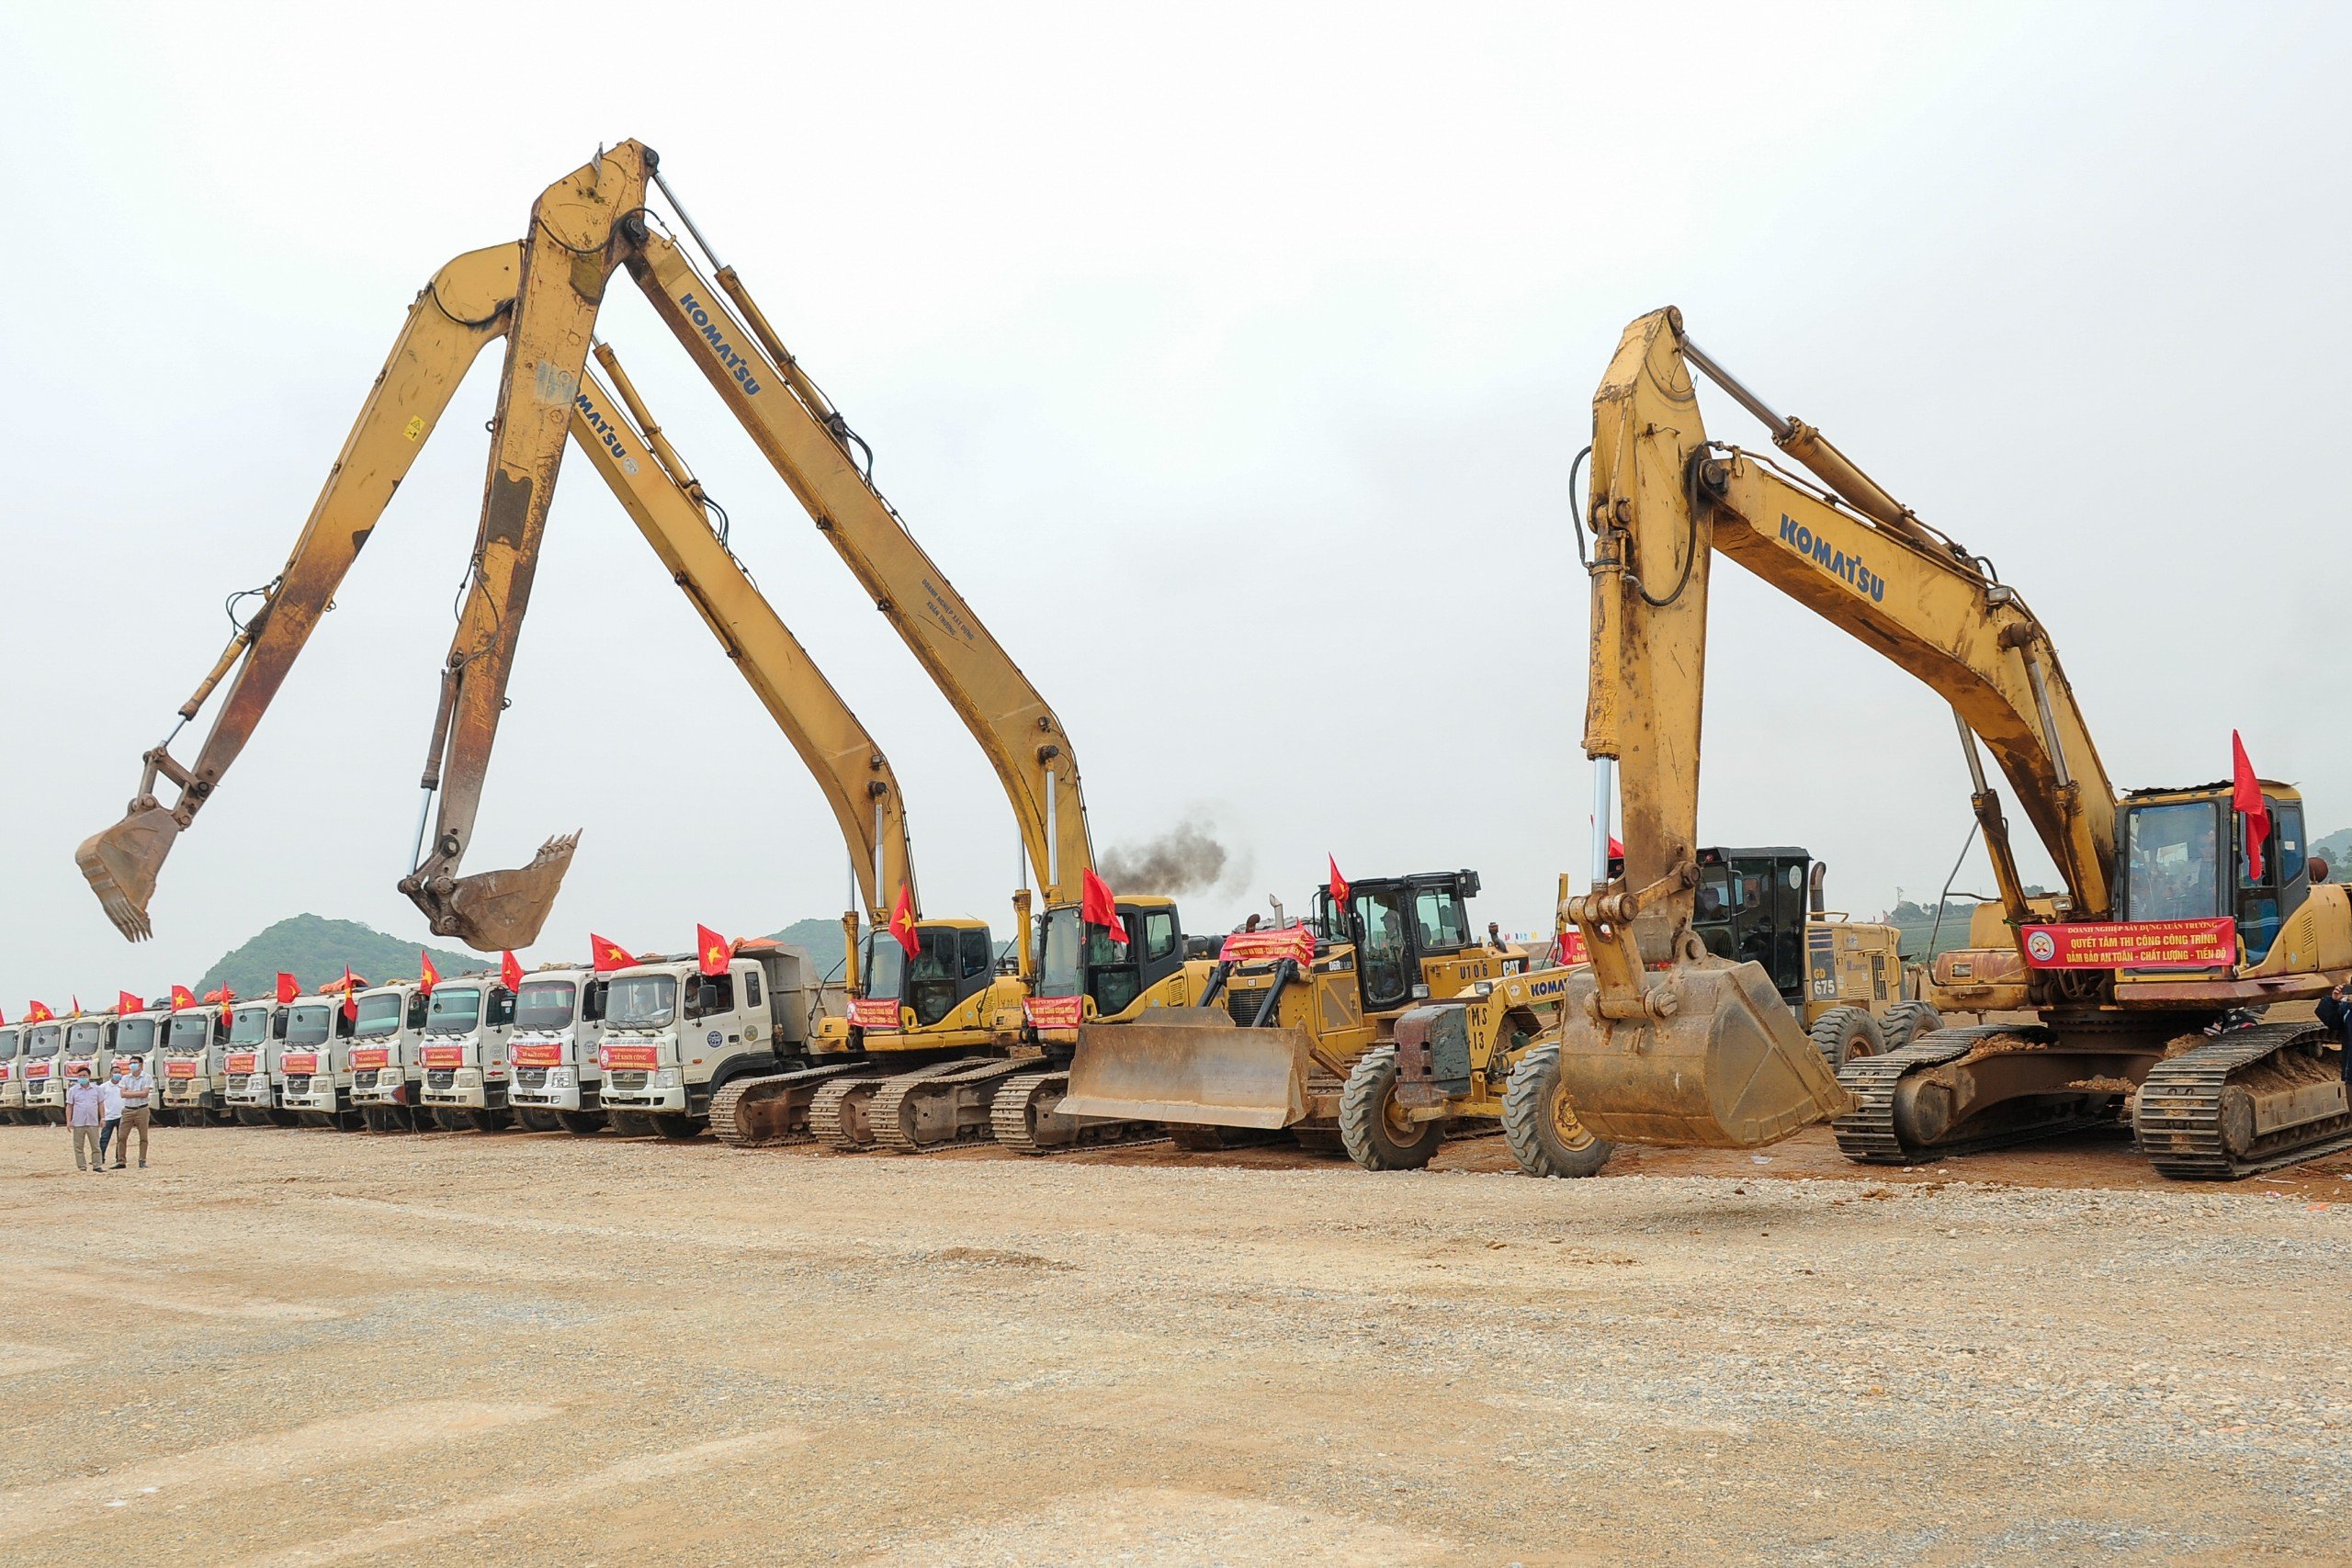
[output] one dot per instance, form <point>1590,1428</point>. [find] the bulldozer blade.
<point>1727,1068</point>
<point>494,909</point>
<point>1189,1064</point>
<point>122,864</point>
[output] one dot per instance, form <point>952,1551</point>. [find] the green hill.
<point>822,940</point>
<point>314,951</point>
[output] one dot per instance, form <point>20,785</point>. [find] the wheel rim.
<point>1401,1128</point>
<point>1565,1125</point>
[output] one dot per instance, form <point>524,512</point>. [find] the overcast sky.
<point>1231,361</point>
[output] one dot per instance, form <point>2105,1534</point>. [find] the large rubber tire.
<point>1842,1034</point>
<point>537,1119</point>
<point>1544,1136</point>
<point>1906,1021</point>
<point>1375,1135</point>
<point>675,1128</point>
<point>581,1123</point>
<point>630,1123</point>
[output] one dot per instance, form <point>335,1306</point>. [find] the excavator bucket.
<point>122,864</point>
<point>494,909</point>
<point>1727,1068</point>
<point>1189,1064</point>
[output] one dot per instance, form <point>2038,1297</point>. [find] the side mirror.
<point>2318,869</point>
<point>706,997</point>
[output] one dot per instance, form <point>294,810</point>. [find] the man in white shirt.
<point>110,1117</point>
<point>138,1097</point>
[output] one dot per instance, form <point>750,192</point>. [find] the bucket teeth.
<point>494,909</point>
<point>122,864</point>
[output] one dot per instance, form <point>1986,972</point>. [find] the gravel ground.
<point>295,1347</point>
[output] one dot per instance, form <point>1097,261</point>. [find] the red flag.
<point>510,971</point>
<point>1616,846</point>
<point>712,951</point>
<point>224,995</point>
<point>1339,884</point>
<point>4,1020</point>
<point>2246,797</point>
<point>902,920</point>
<point>610,954</point>
<point>77,1005</point>
<point>38,1012</point>
<point>350,995</point>
<point>288,988</point>
<point>1097,906</point>
<point>427,976</point>
<point>182,998</point>
<point>124,1002</point>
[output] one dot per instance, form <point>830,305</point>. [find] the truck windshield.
<point>641,1001</point>
<point>7,1043</point>
<point>251,1026</point>
<point>2172,869</point>
<point>379,1015</point>
<point>545,1004</point>
<point>191,1032</point>
<point>455,1010</point>
<point>83,1039</point>
<point>44,1041</point>
<point>132,1037</point>
<point>310,1026</point>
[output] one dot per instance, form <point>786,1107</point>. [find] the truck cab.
<point>386,1056</point>
<point>674,1036</point>
<point>89,1047</point>
<point>254,1030</point>
<point>467,1021</point>
<point>1085,978</point>
<point>188,1082</point>
<point>44,1077</point>
<point>12,1074</point>
<point>139,1037</point>
<point>558,1028</point>
<point>311,1065</point>
<point>945,996</point>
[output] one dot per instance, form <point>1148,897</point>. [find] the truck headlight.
<point>667,1078</point>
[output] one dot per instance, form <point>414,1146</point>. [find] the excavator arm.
<point>461,312</point>
<point>810,445</point>
<point>665,501</point>
<point>1664,1043</point>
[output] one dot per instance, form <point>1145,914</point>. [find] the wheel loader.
<point>2183,909</point>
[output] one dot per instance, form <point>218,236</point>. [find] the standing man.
<point>137,1095</point>
<point>83,1102</point>
<point>2335,1011</point>
<point>109,1114</point>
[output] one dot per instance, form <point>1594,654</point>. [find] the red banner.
<point>538,1053</point>
<point>2134,944</point>
<point>4,1072</point>
<point>877,1014</point>
<point>368,1058</point>
<point>1569,948</point>
<point>179,1069</point>
<point>445,1055</point>
<point>299,1062</point>
<point>241,1062</point>
<point>1053,1012</point>
<point>635,1059</point>
<point>37,1070</point>
<point>1255,947</point>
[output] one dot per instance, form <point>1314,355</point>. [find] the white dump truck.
<point>388,1057</point>
<point>245,1089</point>
<point>190,1079</point>
<point>674,1036</point>
<point>141,1036</point>
<point>44,1082</point>
<point>311,1067</point>
<point>467,1020</point>
<point>558,1028</point>
<point>12,1076</point>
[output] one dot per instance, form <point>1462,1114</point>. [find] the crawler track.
<point>1024,1101</point>
<point>1868,1136</point>
<point>759,1113</point>
<point>2192,1127</point>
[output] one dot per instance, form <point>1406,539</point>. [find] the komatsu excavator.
<point>1665,1042</point>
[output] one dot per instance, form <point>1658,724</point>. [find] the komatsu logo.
<point>1831,560</point>
<point>605,432</point>
<point>698,314</point>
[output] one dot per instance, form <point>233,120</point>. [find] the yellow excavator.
<point>1663,1041</point>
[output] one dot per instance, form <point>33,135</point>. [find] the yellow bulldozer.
<point>2183,909</point>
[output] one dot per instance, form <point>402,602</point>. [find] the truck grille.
<point>530,1077</point>
<point>626,1082</point>
<point>299,1085</point>
<point>440,1078</point>
<point>236,1082</point>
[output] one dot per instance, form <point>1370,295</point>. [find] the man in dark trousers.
<point>2336,1016</point>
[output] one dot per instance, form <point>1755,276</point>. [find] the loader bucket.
<point>1727,1069</point>
<point>122,864</point>
<point>1189,1064</point>
<point>494,909</point>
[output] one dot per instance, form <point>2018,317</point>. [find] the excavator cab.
<point>1119,978</point>
<point>2173,868</point>
<point>953,959</point>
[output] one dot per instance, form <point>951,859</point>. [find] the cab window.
<point>751,989</point>
<point>1159,934</point>
<point>979,954</point>
<point>714,995</point>
<point>1436,912</point>
<point>2171,868</point>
